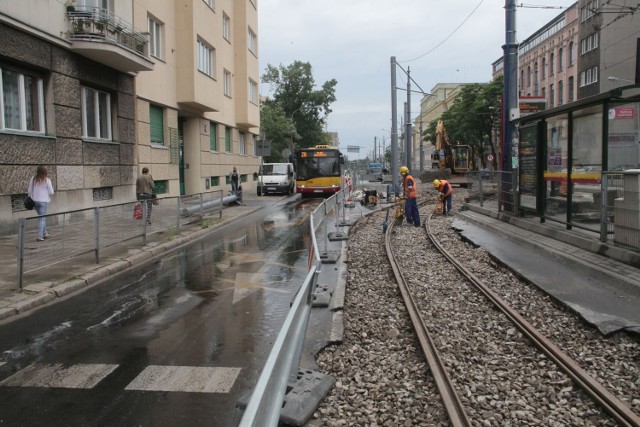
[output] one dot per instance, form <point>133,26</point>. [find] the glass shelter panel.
<point>586,170</point>
<point>556,172</point>
<point>624,137</point>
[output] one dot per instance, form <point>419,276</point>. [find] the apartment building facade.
<point>548,61</point>
<point>198,111</point>
<point>90,91</point>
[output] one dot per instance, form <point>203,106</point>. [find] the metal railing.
<point>93,23</point>
<point>78,232</point>
<point>266,400</point>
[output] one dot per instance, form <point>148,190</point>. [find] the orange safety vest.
<point>441,188</point>
<point>412,193</point>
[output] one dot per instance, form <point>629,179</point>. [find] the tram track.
<point>621,413</point>
<point>498,375</point>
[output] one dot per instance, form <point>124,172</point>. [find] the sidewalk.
<point>58,280</point>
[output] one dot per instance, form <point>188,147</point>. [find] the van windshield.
<point>275,169</point>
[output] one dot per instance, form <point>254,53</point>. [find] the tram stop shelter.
<point>579,164</point>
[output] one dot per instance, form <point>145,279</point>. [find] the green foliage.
<point>298,111</point>
<point>474,115</point>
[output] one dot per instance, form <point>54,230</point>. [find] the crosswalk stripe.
<point>59,376</point>
<point>195,379</point>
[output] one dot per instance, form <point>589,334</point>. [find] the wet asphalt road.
<point>176,342</point>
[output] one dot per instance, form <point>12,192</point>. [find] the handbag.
<point>29,204</point>
<point>137,211</point>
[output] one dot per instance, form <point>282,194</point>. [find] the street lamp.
<point>613,79</point>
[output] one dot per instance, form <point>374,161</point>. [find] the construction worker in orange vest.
<point>410,189</point>
<point>446,193</point>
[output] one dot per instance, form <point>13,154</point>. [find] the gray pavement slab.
<point>600,289</point>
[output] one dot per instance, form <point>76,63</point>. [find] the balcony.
<point>99,35</point>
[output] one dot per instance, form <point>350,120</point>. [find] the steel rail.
<point>623,415</point>
<point>450,399</point>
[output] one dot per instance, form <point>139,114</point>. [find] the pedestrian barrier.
<point>83,231</point>
<point>266,401</point>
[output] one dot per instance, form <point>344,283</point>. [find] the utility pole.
<point>394,127</point>
<point>421,147</point>
<point>407,120</point>
<point>510,101</point>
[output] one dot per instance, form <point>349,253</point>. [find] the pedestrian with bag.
<point>446,194</point>
<point>235,179</point>
<point>410,190</point>
<point>144,191</point>
<point>40,190</point>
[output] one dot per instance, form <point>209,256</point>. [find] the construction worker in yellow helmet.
<point>446,194</point>
<point>410,190</point>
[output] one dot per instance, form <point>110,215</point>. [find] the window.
<point>227,139</point>
<point>544,68</point>
<point>226,27</point>
<point>589,76</point>
<point>560,93</point>
<point>570,89</point>
<point>552,95</point>
<point>253,91</point>
<point>213,136</point>
<point>91,4</point>
<point>96,114</point>
<point>242,146</point>
<point>22,101</point>
<point>205,58</point>
<point>160,186</point>
<point>253,42</point>
<point>156,124</point>
<point>227,83</point>
<point>155,29</point>
<point>528,76</point>
<point>210,3</point>
<point>551,64</point>
<point>102,193</point>
<point>560,59</point>
<point>572,54</point>
<point>535,79</point>
<point>215,181</point>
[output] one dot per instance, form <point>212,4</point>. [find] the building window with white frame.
<point>206,58</point>
<point>253,91</point>
<point>242,148</point>
<point>155,29</point>
<point>226,27</point>
<point>96,114</point>
<point>227,83</point>
<point>21,101</point>
<point>253,42</point>
<point>211,3</point>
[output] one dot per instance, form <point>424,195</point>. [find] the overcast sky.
<point>353,41</point>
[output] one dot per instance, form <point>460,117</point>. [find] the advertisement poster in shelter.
<point>528,166</point>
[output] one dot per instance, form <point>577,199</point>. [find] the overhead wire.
<point>448,37</point>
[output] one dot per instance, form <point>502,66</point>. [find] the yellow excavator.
<point>449,161</point>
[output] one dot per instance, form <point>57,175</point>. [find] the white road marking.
<point>195,379</point>
<point>59,376</point>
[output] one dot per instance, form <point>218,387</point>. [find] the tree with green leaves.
<point>473,117</point>
<point>298,103</point>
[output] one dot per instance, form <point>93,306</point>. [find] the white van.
<point>276,178</point>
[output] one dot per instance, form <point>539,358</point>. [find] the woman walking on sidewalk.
<point>41,190</point>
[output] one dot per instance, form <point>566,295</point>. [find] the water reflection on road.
<point>215,304</point>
